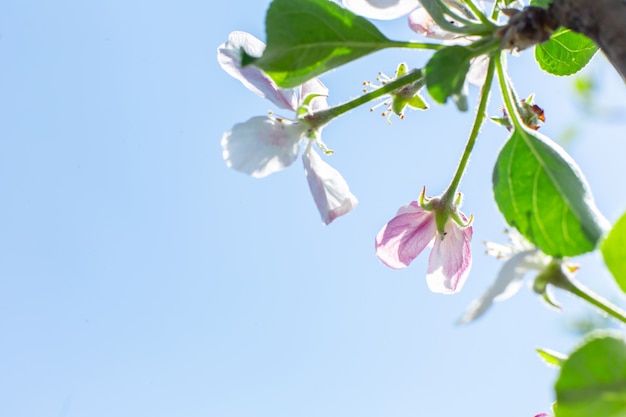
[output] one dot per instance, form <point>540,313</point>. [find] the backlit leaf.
<point>592,381</point>
<point>614,252</point>
<point>306,38</point>
<point>445,74</point>
<point>566,52</point>
<point>551,357</point>
<point>544,195</point>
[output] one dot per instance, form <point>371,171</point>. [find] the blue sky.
<point>139,276</point>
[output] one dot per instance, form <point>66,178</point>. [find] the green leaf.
<point>551,357</point>
<point>565,53</point>
<point>417,102</point>
<point>592,381</point>
<point>306,38</point>
<point>541,3</point>
<point>543,194</point>
<point>445,74</point>
<point>614,252</point>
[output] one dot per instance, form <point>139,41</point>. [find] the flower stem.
<point>480,47</point>
<point>449,194</point>
<point>579,290</point>
<point>495,11</point>
<point>485,28</point>
<point>417,45</point>
<point>324,116</point>
<point>477,12</point>
<point>484,46</point>
<point>459,19</point>
<point>507,94</point>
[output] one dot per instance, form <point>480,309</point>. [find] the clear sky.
<point>139,276</point>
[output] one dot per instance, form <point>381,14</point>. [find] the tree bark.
<point>603,21</point>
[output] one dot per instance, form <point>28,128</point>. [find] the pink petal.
<point>450,260</point>
<point>330,191</point>
<point>405,236</point>
<point>381,9</point>
<point>229,58</point>
<point>262,145</point>
<point>421,22</point>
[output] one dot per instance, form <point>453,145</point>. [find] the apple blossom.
<point>413,228</point>
<point>267,144</point>
<point>521,257</point>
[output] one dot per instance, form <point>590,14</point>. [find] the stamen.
<point>382,79</point>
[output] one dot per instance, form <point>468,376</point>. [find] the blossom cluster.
<point>266,144</point>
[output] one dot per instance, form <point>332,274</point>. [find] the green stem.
<point>322,117</point>
<point>460,19</point>
<point>448,195</point>
<point>579,290</point>
<point>416,45</point>
<point>439,12</point>
<point>397,44</point>
<point>485,46</point>
<point>507,94</point>
<point>477,12</point>
<point>495,11</point>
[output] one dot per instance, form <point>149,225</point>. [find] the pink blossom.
<point>407,235</point>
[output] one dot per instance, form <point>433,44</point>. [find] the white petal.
<point>478,70</point>
<point>507,283</point>
<point>229,58</point>
<point>330,191</point>
<point>450,260</point>
<point>316,87</point>
<point>262,145</point>
<point>381,9</point>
